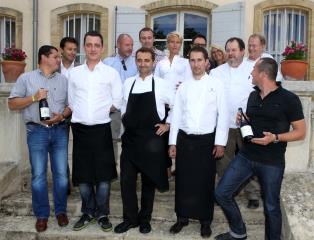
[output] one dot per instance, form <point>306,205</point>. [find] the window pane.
<point>186,48</point>
<point>164,25</point>
<point>194,24</point>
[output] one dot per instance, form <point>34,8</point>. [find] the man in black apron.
<point>94,90</point>
<point>143,146</point>
<point>198,134</point>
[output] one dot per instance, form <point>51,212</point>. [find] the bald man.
<point>123,61</point>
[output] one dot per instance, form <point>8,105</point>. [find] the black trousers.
<point>128,181</point>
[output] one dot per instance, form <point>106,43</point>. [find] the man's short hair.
<point>198,36</point>
<point>238,40</point>
<point>45,50</point>
<point>146,50</point>
<point>67,39</point>
<point>199,49</point>
<point>94,34</point>
<point>261,38</point>
<point>268,66</point>
<point>145,29</point>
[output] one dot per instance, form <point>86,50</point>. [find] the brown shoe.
<point>41,224</point>
<point>62,220</point>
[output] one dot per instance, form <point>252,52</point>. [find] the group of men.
<point>201,117</point>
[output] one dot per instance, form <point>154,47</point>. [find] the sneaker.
<point>83,222</point>
<point>105,224</point>
<point>227,236</point>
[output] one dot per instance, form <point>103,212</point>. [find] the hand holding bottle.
<point>245,126</point>
<point>41,94</point>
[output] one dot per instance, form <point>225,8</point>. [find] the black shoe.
<point>206,230</point>
<point>253,204</point>
<point>124,226</point>
<point>83,222</point>
<point>227,236</point>
<point>145,227</point>
<point>105,224</point>
<point>177,227</point>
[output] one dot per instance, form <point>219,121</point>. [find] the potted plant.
<point>294,65</point>
<point>13,63</point>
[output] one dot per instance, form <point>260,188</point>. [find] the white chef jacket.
<point>163,94</point>
<point>200,108</point>
<point>238,86</point>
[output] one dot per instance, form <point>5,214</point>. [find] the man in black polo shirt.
<point>271,110</point>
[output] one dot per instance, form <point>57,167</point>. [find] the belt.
<point>46,125</point>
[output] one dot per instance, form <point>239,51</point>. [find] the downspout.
<point>115,28</point>
<point>35,32</point>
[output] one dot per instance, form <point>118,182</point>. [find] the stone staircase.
<point>17,221</point>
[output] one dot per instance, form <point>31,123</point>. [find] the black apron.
<point>195,176</point>
<point>93,156</point>
<point>140,143</point>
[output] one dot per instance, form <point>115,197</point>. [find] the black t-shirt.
<point>272,114</point>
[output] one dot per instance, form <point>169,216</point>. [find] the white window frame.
<point>280,44</point>
<point>180,24</point>
<point>84,18</point>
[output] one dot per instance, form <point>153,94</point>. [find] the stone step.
<point>8,180</point>
<point>22,227</point>
<point>20,204</point>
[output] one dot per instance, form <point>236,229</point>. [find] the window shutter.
<point>130,21</point>
<point>227,21</point>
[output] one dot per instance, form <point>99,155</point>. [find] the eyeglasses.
<point>123,65</point>
<point>199,45</point>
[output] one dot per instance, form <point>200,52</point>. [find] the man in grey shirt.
<point>43,137</point>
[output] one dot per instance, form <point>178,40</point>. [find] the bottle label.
<point>246,131</point>
<point>44,112</point>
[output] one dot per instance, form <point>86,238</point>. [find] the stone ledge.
<point>297,197</point>
<point>12,228</point>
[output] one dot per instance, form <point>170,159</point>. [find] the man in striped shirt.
<point>43,137</point>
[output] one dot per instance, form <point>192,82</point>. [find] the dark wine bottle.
<point>44,110</point>
<point>245,127</point>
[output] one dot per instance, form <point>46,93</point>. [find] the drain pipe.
<point>115,28</point>
<point>35,33</point>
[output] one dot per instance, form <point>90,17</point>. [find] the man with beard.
<point>235,76</point>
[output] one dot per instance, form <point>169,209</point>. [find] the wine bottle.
<point>43,110</point>
<point>245,127</point>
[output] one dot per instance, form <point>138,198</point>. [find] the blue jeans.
<point>95,203</point>
<point>270,177</point>
<point>42,141</point>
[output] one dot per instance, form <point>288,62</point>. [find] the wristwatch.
<point>276,139</point>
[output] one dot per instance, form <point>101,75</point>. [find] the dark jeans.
<point>95,203</point>
<point>270,178</point>
<point>42,141</point>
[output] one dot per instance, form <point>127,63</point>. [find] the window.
<point>77,25</point>
<point>282,26</point>
<point>7,36</point>
<point>187,23</point>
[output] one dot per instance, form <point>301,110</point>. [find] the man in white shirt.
<point>198,134</point>
<point>94,90</point>
<point>235,76</point>
<point>68,49</point>
<point>144,147</point>
<point>146,37</point>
